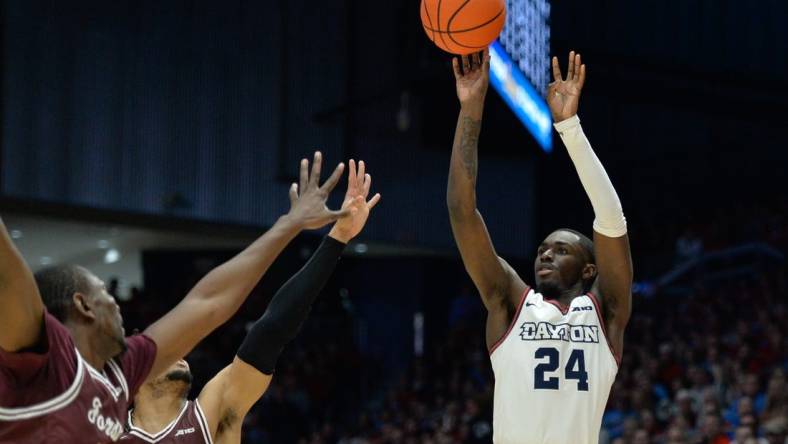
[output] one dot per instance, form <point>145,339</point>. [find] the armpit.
<point>228,419</point>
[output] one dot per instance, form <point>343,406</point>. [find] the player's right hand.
<point>563,96</point>
<point>308,198</point>
<point>473,79</point>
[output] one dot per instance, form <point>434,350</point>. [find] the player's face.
<point>109,321</point>
<point>559,263</point>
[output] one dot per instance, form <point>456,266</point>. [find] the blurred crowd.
<point>708,368</point>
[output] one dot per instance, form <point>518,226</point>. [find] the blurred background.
<point>150,141</point>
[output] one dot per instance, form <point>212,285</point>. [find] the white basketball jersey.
<point>553,372</point>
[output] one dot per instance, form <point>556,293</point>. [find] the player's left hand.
<point>358,185</point>
<point>563,96</point>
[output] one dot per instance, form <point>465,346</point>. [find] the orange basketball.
<point>463,26</point>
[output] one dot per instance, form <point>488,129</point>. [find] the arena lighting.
<point>16,234</point>
<point>520,66</point>
<point>418,334</point>
<point>111,256</point>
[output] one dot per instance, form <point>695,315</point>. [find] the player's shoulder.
<point>42,379</point>
<point>56,345</point>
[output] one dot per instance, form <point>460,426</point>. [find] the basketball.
<point>463,26</point>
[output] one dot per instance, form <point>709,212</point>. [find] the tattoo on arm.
<point>469,139</point>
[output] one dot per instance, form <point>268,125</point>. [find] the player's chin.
<point>119,338</point>
<point>121,341</point>
<point>182,375</point>
<point>545,281</point>
<point>548,287</point>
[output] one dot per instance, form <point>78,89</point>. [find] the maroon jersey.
<point>55,396</point>
<point>189,427</point>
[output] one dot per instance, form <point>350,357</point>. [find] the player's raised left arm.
<point>611,243</point>
<point>232,392</point>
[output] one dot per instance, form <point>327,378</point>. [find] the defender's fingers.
<point>374,201</point>
<point>317,163</point>
<point>578,63</point>
<point>334,178</point>
<point>486,60</point>
<point>367,185</point>
<point>352,180</point>
<point>304,175</point>
<point>362,168</point>
<point>582,76</point>
<point>456,68</point>
<point>293,193</point>
<point>466,65</point>
<point>338,214</point>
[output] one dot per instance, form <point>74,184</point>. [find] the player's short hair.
<point>57,285</point>
<point>585,243</point>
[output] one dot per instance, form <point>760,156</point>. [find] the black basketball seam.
<point>427,13</point>
<point>439,24</point>
<point>467,29</point>
<point>448,26</point>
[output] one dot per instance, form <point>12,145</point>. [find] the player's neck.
<point>89,346</point>
<point>153,413</point>
<point>565,297</point>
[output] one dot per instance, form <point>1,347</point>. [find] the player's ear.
<point>83,305</point>
<point>589,272</point>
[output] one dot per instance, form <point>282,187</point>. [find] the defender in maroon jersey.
<point>163,414</point>
<point>188,426</point>
<point>68,374</point>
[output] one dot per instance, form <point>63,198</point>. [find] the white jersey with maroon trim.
<point>553,372</point>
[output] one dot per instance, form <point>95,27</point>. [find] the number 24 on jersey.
<point>575,369</point>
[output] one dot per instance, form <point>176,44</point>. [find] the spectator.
<point>712,431</point>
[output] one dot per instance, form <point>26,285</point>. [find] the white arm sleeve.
<point>610,219</point>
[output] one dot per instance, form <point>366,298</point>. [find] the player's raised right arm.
<point>21,308</point>
<point>230,394</point>
<point>494,279</point>
<point>218,295</point>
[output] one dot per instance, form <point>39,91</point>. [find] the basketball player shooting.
<point>554,347</point>
<point>163,414</point>
<point>67,371</point>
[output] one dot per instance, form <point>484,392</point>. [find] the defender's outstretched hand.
<point>358,185</point>
<point>473,79</point>
<point>563,96</point>
<point>308,199</point>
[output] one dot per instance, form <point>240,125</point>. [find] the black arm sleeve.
<point>288,308</point>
